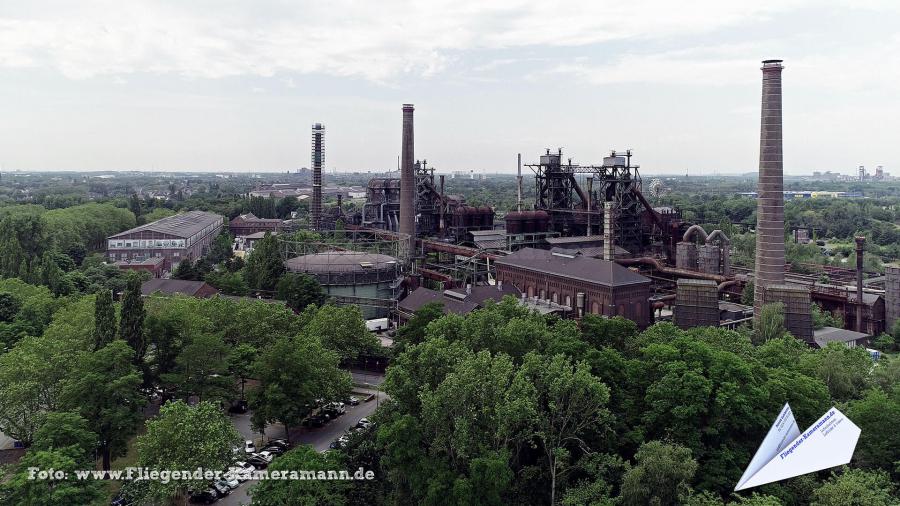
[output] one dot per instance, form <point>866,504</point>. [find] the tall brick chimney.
<point>408,180</point>
<point>770,259</point>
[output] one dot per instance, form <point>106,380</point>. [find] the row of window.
<point>146,243</point>
<point>137,256</point>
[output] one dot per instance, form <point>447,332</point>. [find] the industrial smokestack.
<point>590,205</point>
<point>519,185</point>
<point>443,205</point>
<point>408,181</point>
<point>770,202</point>
<point>860,243</point>
<point>609,233</point>
<point>318,159</point>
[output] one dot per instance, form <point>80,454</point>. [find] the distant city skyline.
<point>211,87</point>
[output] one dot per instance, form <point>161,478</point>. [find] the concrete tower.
<point>770,203</point>
<point>318,159</point>
<point>408,180</point>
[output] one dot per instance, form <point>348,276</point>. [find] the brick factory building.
<point>606,288</point>
<point>186,236</point>
<point>247,224</point>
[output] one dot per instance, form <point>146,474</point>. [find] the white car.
<point>241,470</point>
<point>363,423</point>
<point>249,447</point>
<point>230,481</point>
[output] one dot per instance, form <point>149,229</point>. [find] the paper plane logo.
<point>786,452</point>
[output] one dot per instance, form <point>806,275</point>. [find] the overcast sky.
<point>232,85</point>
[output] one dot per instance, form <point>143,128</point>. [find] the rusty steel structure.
<point>770,259</point>
<point>317,161</point>
<point>574,212</point>
<point>437,214</point>
<point>860,245</point>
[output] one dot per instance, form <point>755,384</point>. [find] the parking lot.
<point>319,437</point>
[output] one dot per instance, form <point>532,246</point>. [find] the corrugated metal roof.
<point>183,225</point>
<point>827,335</point>
<point>422,296</point>
<point>592,270</point>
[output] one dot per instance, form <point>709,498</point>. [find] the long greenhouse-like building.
<point>186,236</point>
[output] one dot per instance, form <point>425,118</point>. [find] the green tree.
<point>341,329</point>
<point>131,318</point>
<point>185,270</point>
<point>103,388</point>
<point>202,369</point>
<point>240,362</point>
<point>771,322</point>
<point>885,343</point>
<point>877,414</point>
<point>856,487</point>
<point>264,267</point>
<point>844,370</point>
<point>229,283</point>
<point>292,374</point>
<point>413,331</point>
<point>69,433</point>
<point>661,475</point>
<point>23,489</point>
<point>616,332</point>
<point>747,293</point>
<point>564,400</point>
<point>221,248</point>
<point>104,319</point>
<point>186,437</point>
<point>31,377</point>
<point>299,290</point>
<point>9,306</point>
<point>304,492</point>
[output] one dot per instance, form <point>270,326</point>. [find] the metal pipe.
<point>682,273</point>
<point>694,229</point>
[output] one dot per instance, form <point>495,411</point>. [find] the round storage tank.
<point>352,274</point>
<point>513,222</point>
<point>541,221</point>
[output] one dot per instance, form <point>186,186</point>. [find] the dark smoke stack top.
<point>318,160</point>
<point>408,180</point>
<point>770,260</point>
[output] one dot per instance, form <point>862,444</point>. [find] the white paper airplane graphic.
<point>786,452</point>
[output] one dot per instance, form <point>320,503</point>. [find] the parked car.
<point>363,423</point>
<point>258,462</point>
<point>231,481</point>
<point>279,442</point>
<point>316,420</point>
<point>353,400</point>
<point>274,450</point>
<point>221,487</point>
<point>207,496</point>
<point>249,447</point>
<point>334,409</point>
<point>238,407</point>
<point>242,470</point>
<point>268,455</point>
<point>335,445</point>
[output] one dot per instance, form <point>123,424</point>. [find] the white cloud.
<point>377,41</point>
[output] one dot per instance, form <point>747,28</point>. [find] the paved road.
<point>319,438</point>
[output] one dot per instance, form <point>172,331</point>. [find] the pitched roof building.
<point>606,288</point>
